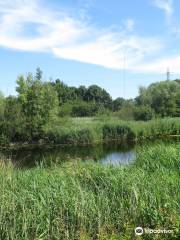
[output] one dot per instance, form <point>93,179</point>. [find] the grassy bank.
<point>86,131</point>
<point>91,201</point>
<point>103,129</point>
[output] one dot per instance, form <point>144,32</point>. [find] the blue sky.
<point>118,44</point>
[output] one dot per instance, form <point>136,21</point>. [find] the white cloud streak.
<point>51,29</point>
<point>166,6</point>
<point>69,38</point>
<point>110,50</point>
<point>160,65</point>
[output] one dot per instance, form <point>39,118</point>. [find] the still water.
<point>114,154</point>
<point>110,153</point>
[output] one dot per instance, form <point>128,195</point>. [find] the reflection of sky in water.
<point>119,158</point>
<point>111,154</point>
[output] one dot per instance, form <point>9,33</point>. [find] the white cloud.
<point>160,65</point>
<point>166,6</point>
<point>69,38</point>
<point>110,50</point>
<point>52,29</point>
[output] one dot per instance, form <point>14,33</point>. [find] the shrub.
<point>84,109</point>
<point>117,132</point>
<point>83,136</point>
<point>144,113</point>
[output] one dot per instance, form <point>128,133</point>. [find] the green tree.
<point>162,97</point>
<point>98,95</point>
<point>14,122</point>
<point>81,92</point>
<point>144,113</point>
<point>127,110</point>
<point>118,104</point>
<point>3,136</point>
<point>62,90</point>
<point>39,74</point>
<point>2,105</point>
<point>39,103</point>
<point>84,109</point>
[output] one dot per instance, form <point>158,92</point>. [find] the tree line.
<point>39,102</point>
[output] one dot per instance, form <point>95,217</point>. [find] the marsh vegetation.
<point>51,111</point>
<point>92,201</point>
<point>81,195</point>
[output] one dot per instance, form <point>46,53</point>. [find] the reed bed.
<point>97,130</point>
<point>87,201</point>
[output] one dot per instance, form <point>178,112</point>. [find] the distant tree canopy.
<point>177,80</point>
<point>96,94</point>
<point>159,99</point>
<point>92,94</point>
<point>64,92</point>
<point>39,102</point>
<point>118,103</point>
<point>2,105</point>
<point>144,113</point>
<point>162,97</point>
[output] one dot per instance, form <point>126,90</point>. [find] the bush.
<point>72,136</point>
<point>4,140</point>
<point>117,132</point>
<point>83,109</point>
<point>83,136</point>
<point>65,109</point>
<point>144,113</point>
<point>126,112</point>
<point>78,109</point>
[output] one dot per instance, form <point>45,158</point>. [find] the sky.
<point>119,45</point>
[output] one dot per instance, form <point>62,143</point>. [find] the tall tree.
<point>12,124</point>
<point>162,97</point>
<point>98,95</point>
<point>2,105</point>
<point>118,104</point>
<point>39,102</point>
<point>39,74</point>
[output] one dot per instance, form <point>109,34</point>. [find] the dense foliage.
<point>93,201</point>
<point>41,105</point>
<point>162,97</point>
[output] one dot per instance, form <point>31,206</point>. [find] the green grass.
<point>92,201</point>
<point>93,130</point>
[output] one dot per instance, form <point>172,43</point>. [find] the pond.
<point>109,153</point>
<point>115,154</point>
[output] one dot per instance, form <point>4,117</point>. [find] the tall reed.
<point>93,130</point>
<point>92,201</point>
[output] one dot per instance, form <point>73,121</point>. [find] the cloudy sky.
<point>118,44</point>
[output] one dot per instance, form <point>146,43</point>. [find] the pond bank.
<point>94,131</point>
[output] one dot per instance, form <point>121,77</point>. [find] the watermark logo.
<point>139,231</point>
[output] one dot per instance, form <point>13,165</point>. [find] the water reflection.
<point>103,153</point>
<point>111,153</point>
<point>119,158</point>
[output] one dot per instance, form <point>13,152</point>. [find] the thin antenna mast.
<point>124,73</point>
<point>168,74</point>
